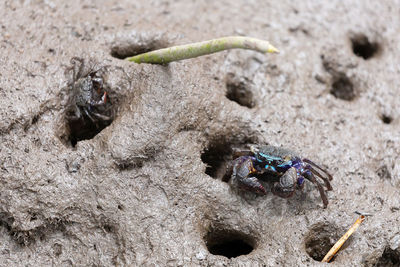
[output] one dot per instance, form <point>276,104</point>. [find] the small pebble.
<point>73,166</point>
<point>200,256</point>
<point>395,242</point>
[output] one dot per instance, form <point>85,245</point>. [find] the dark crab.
<point>89,109</point>
<point>280,164</point>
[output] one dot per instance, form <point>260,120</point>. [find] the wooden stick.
<point>332,252</point>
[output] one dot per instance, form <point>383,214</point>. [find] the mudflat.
<point>140,184</point>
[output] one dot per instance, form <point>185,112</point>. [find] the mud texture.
<point>147,189</point>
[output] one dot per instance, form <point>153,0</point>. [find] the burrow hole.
<point>343,88</point>
<point>217,157</point>
<point>228,243</point>
<point>129,45</point>
<point>86,121</point>
<point>386,119</point>
<point>321,238</point>
<point>363,47</point>
<point>238,89</point>
<point>90,106</point>
<point>389,258</point>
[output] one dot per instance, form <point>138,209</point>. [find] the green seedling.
<point>180,52</point>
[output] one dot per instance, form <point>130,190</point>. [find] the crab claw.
<point>243,167</point>
<point>287,184</point>
<point>252,184</point>
<point>104,98</point>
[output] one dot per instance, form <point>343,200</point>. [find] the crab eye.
<point>287,158</point>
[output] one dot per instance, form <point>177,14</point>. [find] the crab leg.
<point>88,114</point>
<point>320,189</point>
<point>326,181</point>
<point>228,173</point>
<point>330,177</point>
<point>100,116</point>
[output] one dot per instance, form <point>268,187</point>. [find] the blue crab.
<point>276,163</point>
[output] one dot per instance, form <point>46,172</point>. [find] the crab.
<point>89,108</point>
<point>89,97</point>
<point>279,164</point>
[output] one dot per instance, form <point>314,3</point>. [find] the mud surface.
<point>146,190</point>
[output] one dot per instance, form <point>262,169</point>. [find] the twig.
<point>175,53</point>
<point>332,252</point>
<point>363,213</point>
